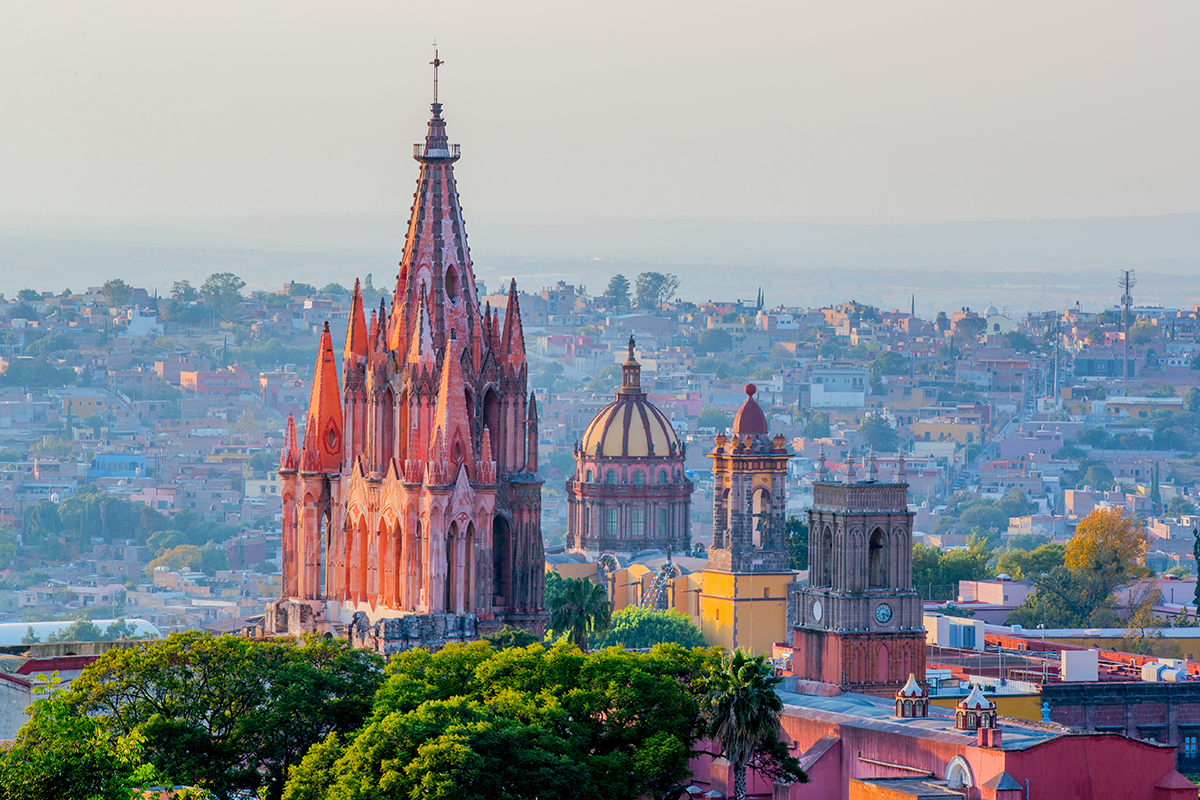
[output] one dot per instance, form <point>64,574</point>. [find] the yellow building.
<point>83,402</point>
<point>945,429</point>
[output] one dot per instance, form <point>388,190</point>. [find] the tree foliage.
<point>618,290</point>
<point>1021,564</point>
<point>877,433</point>
<point>795,532</point>
<point>639,628</point>
<point>469,722</point>
<point>117,292</point>
<point>712,417</point>
<point>936,573</point>
<point>580,610</point>
<point>223,293</point>
<point>1108,540</point>
<point>229,713</point>
<point>743,712</point>
<point>817,427</point>
<point>654,288</point>
<point>714,340</point>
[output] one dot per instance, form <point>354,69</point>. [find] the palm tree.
<point>582,609</point>
<point>743,714</point>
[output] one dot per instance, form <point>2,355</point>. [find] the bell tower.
<point>857,624</point>
<point>745,585</point>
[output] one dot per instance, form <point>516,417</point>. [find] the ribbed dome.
<point>630,426</point>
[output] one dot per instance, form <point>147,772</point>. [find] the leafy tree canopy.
<point>471,722</point>
<point>223,293</point>
<point>618,290</point>
<point>712,417</point>
<point>228,713</point>
<point>654,288</point>
<point>639,628</point>
<point>714,340</point>
<point>117,291</point>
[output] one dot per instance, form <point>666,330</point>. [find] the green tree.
<point>223,293</point>
<point>640,628</point>
<point>877,433</point>
<point>655,288</point>
<point>184,292</point>
<point>228,713</point>
<point>796,539</point>
<point>942,322</point>
<point>580,610</point>
<point>117,292</point>
<point>471,722</point>
<point>508,636</point>
<point>176,559</point>
<point>29,296</point>
<point>889,363</point>
<point>712,417</point>
<point>618,290</point>
<point>1021,564</point>
<point>971,327</point>
<point>62,754</point>
<point>714,340</point>
<point>160,542</point>
<point>817,427</point>
<point>936,573</point>
<point>743,711</point>
<point>213,558</point>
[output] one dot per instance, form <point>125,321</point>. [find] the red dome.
<point>750,418</point>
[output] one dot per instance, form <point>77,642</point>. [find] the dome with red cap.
<point>750,418</point>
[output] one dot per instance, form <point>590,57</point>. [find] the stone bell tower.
<point>857,623</point>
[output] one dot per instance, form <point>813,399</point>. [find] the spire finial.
<point>437,62</point>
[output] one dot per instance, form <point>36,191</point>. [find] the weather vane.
<point>437,62</point>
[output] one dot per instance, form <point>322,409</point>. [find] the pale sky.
<point>808,111</point>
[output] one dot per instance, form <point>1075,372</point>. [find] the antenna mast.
<point>1127,281</point>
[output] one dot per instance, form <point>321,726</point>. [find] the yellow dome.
<point>630,426</point>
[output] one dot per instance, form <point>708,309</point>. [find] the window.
<point>610,522</point>
<point>1189,746</point>
<point>639,477</point>
<point>610,476</point>
<point>662,476</point>
<point>664,525</point>
<point>589,476</point>
<point>637,525</point>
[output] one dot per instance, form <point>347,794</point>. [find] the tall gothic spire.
<point>323,433</point>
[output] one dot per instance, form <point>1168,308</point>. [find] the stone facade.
<point>412,512</point>
<point>858,623</point>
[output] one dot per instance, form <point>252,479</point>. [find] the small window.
<point>662,476</point>
<point>637,524</point>
<point>610,522</point>
<point>610,476</point>
<point>639,477</point>
<point>1189,746</point>
<point>589,476</point>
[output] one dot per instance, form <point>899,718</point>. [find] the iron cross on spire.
<point>437,62</point>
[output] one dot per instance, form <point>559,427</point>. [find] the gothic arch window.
<point>827,557</point>
<point>662,476</point>
<point>876,559</point>
<point>589,476</point>
<point>610,476</point>
<point>639,477</point>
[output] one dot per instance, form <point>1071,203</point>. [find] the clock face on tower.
<point>883,613</point>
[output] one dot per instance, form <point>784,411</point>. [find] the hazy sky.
<point>817,111</point>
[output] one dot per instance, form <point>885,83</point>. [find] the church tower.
<point>412,510</point>
<point>857,624</point>
<point>745,586</point>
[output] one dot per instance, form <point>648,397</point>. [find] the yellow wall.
<point>945,431</point>
<point>79,406</point>
<point>744,610</point>
<point>589,570</point>
<point>1018,706</point>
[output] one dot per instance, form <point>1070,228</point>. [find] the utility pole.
<point>1127,282</point>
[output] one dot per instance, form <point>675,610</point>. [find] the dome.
<point>912,688</point>
<point>976,701</point>
<point>630,425</point>
<point>750,418</point>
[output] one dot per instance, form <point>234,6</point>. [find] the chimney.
<point>989,737</point>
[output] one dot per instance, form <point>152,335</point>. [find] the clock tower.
<point>857,624</point>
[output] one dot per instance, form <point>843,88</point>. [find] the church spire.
<point>512,343</point>
<point>323,433</point>
<point>356,335</point>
